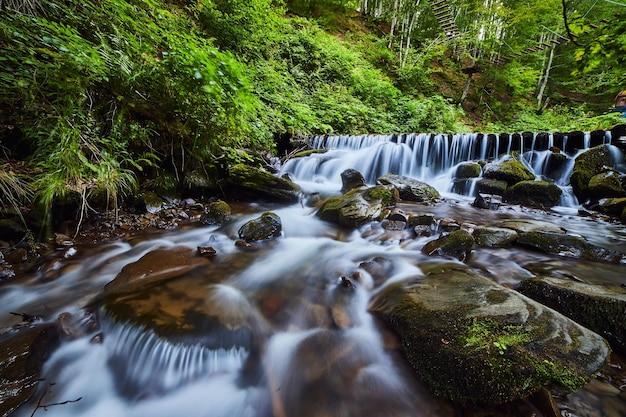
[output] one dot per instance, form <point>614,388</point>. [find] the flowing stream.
<point>291,341</point>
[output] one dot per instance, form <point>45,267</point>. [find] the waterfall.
<point>433,158</point>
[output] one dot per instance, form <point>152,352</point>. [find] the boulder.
<point>599,308</point>
<point>604,185</point>
<point>569,246</point>
<point>217,212</point>
<point>467,170</point>
<point>421,219</point>
<point>487,201</point>
<point>409,189</point>
<point>494,237</point>
<point>267,226</point>
<point>474,341</point>
<point>533,193</point>
<point>510,170</point>
<point>22,354</point>
<point>614,206</point>
<point>491,186</point>
<point>356,207</point>
<point>530,225</point>
<point>155,267</point>
<point>586,166</point>
<point>254,183</point>
<point>350,179</point>
<point>457,244</point>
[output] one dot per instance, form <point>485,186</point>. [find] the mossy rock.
<point>357,207</point>
<point>614,206</point>
<point>457,244</point>
<point>511,170</point>
<point>467,170</point>
<point>586,166</point>
<point>568,246</point>
<point>309,152</point>
<point>494,237</point>
<point>599,308</point>
<point>491,186</point>
<point>533,193</point>
<point>267,226</point>
<point>254,183</point>
<point>409,189</point>
<point>604,185</point>
<point>217,212</point>
<point>472,340</point>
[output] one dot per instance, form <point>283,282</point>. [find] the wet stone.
<point>266,226</point>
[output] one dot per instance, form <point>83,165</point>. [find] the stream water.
<point>307,347</point>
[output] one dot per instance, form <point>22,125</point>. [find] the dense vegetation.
<point>100,97</point>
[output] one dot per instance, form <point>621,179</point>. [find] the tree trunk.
<point>546,77</point>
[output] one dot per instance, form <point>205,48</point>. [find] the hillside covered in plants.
<point>101,98</point>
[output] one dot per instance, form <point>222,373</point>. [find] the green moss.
<point>488,334</point>
<point>309,152</point>
<point>534,193</point>
<point>380,193</point>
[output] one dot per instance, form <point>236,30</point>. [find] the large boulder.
<point>255,183</point>
<point>217,212</point>
<point>599,308</point>
<point>491,186</point>
<point>510,170</point>
<point>569,246</point>
<point>467,170</point>
<point>350,179</point>
<point>357,207</point>
<point>533,193</point>
<point>409,188</point>
<point>586,166</point>
<point>155,267</point>
<point>604,185</point>
<point>474,341</point>
<point>267,226</point>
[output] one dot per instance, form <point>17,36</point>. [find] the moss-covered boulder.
<point>267,226</point>
<point>494,237</point>
<point>604,185</point>
<point>533,193</point>
<point>409,188</point>
<point>569,246</point>
<point>491,186</point>
<point>254,183</point>
<point>586,166</point>
<point>473,341</point>
<point>599,308</point>
<point>217,212</point>
<point>457,244</point>
<point>510,170</point>
<point>357,207</point>
<point>467,170</point>
<point>614,206</point>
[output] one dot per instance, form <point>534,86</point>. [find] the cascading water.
<point>434,158</point>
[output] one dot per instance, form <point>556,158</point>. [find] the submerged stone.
<point>474,341</point>
<point>569,246</point>
<point>599,308</point>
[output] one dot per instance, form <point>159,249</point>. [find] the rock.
<point>605,184</point>
<point>599,308</point>
<point>510,170</point>
<point>254,183</point>
<point>351,179</point>
<point>206,251</point>
<point>533,193</point>
<point>467,170</point>
<point>22,354</point>
<point>487,201</point>
<point>448,225</point>
<point>568,246</point>
<point>409,189</point>
<point>474,341</point>
<point>529,225</point>
<point>491,186</point>
<point>356,207</point>
<point>17,256</point>
<point>457,244</point>
<point>266,226</point>
<point>395,220</point>
<point>152,202</point>
<point>6,272</point>
<point>613,206</point>
<point>217,212</point>
<point>421,219</point>
<point>494,237</point>
<point>423,230</point>
<point>586,166</point>
<point>155,267</point>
